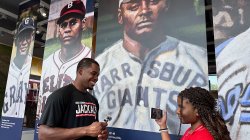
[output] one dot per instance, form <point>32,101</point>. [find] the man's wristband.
<point>164,130</point>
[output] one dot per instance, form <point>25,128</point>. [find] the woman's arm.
<point>162,122</point>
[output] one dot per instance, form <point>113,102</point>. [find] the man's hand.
<point>96,128</point>
<point>103,135</point>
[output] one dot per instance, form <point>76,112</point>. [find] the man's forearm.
<point>46,132</point>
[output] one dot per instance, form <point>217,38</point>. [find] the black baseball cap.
<point>26,23</point>
<point>73,8</point>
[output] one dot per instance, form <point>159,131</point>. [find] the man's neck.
<point>78,86</point>
<point>19,61</point>
<point>141,48</point>
<point>68,52</point>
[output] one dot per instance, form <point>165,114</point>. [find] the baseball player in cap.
<point>19,70</point>
<point>59,68</point>
<point>233,73</point>
<point>146,69</point>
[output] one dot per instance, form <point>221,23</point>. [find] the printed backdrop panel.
<point>17,85</point>
<point>68,40</point>
<point>148,52</point>
<point>232,37</point>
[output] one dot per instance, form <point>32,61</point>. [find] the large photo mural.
<point>68,40</point>
<point>232,37</point>
<point>148,50</point>
<point>17,86</point>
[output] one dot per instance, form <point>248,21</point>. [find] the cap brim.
<point>123,1</point>
<point>26,28</point>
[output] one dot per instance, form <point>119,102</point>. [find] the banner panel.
<point>18,79</point>
<point>148,51</point>
<point>128,134</point>
<point>232,36</point>
<point>68,40</point>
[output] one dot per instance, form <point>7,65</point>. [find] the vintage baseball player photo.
<point>232,36</point>
<point>19,69</point>
<point>148,51</point>
<point>68,41</point>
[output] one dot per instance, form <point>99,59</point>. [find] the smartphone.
<point>156,113</point>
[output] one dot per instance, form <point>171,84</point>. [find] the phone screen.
<point>156,113</point>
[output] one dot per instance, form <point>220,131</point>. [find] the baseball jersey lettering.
<point>153,72</point>
<point>169,71</point>
<point>12,94</point>
<point>16,90</point>
<point>111,99</point>
<point>129,87</point>
<point>17,98</point>
<point>124,97</point>
<point>178,74</point>
<point>105,82</point>
<point>119,99</point>
<point>158,92</point>
<point>142,95</point>
<point>115,76</point>
<point>229,105</point>
<point>52,82</point>
<point>233,68</point>
<point>198,81</point>
<point>5,106</point>
<point>126,70</point>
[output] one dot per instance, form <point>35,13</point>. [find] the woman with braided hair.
<point>198,108</point>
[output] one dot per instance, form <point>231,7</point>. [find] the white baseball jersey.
<point>233,71</point>
<point>56,74</point>
<point>16,89</point>
<point>129,87</point>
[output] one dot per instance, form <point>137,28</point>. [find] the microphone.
<point>108,118</point>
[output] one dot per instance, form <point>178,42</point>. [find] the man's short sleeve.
<point>54,109</point>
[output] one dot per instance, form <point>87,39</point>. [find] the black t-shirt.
<point>68,107</point>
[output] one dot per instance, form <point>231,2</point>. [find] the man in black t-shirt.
<point>71,112</point>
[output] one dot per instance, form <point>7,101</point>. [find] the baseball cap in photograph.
<point>123,1</point>
<point>74,7</point>
<point>26,23</point>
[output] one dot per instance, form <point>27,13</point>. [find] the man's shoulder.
<point>184,47</point>
<point>116,47</point>
<point>192,48</point>
<point>86,48</point>
<point>51,56</point>
<point>62,93</point>
<point>92,97</point>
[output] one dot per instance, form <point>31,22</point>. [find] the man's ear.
<point>167,6</point>
<point>120,20</point>
<point>84,24</point>
<point>80,71</point>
